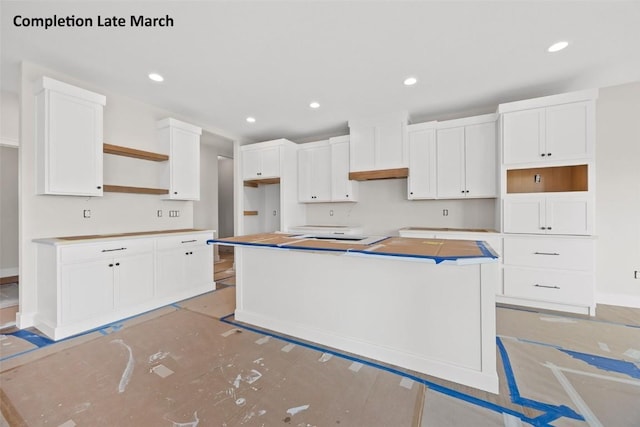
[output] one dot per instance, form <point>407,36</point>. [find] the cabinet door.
<point>133,279</point>
<point>69,133</point>
<point>270,162</point>
<point>450,155</point>
<point>362,148</point>
<point>251,164</point>
<point>524,215</point>
<point>422,164</point>
<point>569,215</point>
<point>305,185</point>
<point>170,269</point>
<point>185,165</point>
<point>342,189</point>
<point>314,174</point>
<point>566,131</point>
<point>87,290</point>
<point>480,160</point>
<point>523,136</point>
<point>199,267</point>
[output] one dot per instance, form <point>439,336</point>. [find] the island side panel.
<point>414,314</point>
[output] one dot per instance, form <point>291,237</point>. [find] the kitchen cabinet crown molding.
<point>545,101</point>
<point>57,86</point>
<point>177,124</point>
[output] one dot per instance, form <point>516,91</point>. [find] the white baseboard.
<point>25,320</point>
<point>623,300</point>
<point>8,272</point>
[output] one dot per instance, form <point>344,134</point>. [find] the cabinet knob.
<point>466,191</point>
<point>117,263</point>
<point>548,228</point>
<point>175,192</point>
<point>348,195</point>
<point>186,253</point>
<point>548,154</point>
<point>99,187</point>
<point>409,193</point>
<point>543,154</point>
<point>110,265</point>
<point>259,173</point>
<point>462,191</point>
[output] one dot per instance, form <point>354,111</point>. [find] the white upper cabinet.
<point>378,143</point>
<point>466,158</point>
<point>260,162</point>
<point>314,172</point>
<point>421,183</point>
<point>68,139</point>
<point>182,173</point>
<point>342,188</point>
<point>559,128</point>
<point>323,172</point>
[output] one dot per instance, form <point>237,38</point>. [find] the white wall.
<point>618,195</point>
<point>127,122</point>
<point>383,208</point>
<point>225,197</point>
<point>9,133</point>
<point>8,211</point>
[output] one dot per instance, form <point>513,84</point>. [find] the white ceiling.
<point>224,60</point>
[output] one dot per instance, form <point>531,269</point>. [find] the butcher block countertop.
<point>457,230</point>
<point>99,237</point>
<point>436,250</point>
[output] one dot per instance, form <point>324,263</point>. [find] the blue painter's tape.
<point>551,412</point>
<point>485,251</point>
<point>606,364</point>
<point>35,339</point>
<point>432,386</point>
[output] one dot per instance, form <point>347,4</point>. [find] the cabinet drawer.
<point>111,249</point>
<point>184,240</point>
<point>566,254</point>
<point>575,288</point>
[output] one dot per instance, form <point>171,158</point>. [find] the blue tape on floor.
<point>35,339</point>
<point>432,386</point>
<point>606,364</point>
<point>551,412</point>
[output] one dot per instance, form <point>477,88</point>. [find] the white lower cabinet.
<point>84,284</point>
<point>570,214</point>
<point>182,263</point>
<point>550,272</point>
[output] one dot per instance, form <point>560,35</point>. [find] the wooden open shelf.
<point>548,180</point>
<point>137,190</point>
<point>379,174</point>
<point>132,152</point>
<point>255,182</point>
<point>250,213</point>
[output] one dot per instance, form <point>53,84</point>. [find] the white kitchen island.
<point>407,302</point>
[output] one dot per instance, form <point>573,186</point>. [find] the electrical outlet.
<point>331,212</point>
<point>159,213</point>
<point>86,213</point>
<point>636,274</point>
<point>177,213</point>
<point>445,212</point>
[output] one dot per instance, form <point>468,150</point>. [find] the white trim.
<point>9,142</point>
<point>25,320</point>
<point>474,120</point>
<point>8,272</point>
<point>173,123</point>
<point>546,101</point>
<point>57,86</point>
<point>624,300</point>
<point>422,126</point>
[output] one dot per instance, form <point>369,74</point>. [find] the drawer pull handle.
<point>545,286</point>
<point>546,253</point>
<point>111,250</point>
<point>189,241</point>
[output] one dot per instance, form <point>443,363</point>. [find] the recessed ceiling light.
<point>556,47</point>
<point>251,119</point>
<point>156,77</point>
<point>410,81</point>
<point>314,105</point>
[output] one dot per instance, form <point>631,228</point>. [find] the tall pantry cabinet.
<point>548,202</point>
